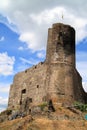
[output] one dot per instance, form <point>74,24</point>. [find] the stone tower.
<point>55,79</point>
<point>61,44</point>
<point>65,83</point>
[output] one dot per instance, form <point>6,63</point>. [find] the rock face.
<point>56,79</point>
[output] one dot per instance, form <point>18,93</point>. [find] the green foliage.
<point>43,105</point>
<point>82,107</point>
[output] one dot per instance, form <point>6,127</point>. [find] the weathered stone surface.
<point>56,79</point>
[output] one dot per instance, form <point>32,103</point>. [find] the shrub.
<point>80,106</point>
<point>43,105</point>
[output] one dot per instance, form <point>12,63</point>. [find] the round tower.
<point>60,59</point>
<point>61,44</point>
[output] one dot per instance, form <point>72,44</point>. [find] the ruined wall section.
<point>79,93</point>
<point>29,83</point>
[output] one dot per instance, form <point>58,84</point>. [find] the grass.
<point>82,107</point>
<point>43,105</point>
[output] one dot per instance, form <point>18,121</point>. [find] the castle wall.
<point>57,78</point>
<point>29,83</point>
<point>79,92</point>
<point>65,84</point>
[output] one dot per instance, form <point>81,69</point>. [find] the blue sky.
<point>23,36</point>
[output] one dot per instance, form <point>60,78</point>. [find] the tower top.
<point>62,25</point>
<point>61,44</point>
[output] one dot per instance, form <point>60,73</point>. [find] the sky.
<point>23,36</point>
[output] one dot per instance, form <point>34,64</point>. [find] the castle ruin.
<point>56,78</point>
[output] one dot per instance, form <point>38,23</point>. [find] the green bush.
<point>43,105</point>
<point>82,107</point>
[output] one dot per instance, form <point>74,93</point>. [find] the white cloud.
<point>4,91</point>
<point>31,40</point>
<point>33,21</point>
<point>55,15</point>
<point>2,39</point>
<point>81,56</point>
<point>81,64</point>
<point>82,68</point>
<point>41,55</point>
<point>85,86</point>
<point>5,3</point>
<point>6,64</point>
<point>26,63</point>
<point>21,48</point>
<point>3,103</point>
<point>30,61</point>
<point>3,100</point>
<point>34,33</point>
<point>4,88</point>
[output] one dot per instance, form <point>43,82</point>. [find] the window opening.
<point>30,99</point>
<point>37,86</point>
<point>23,91</point>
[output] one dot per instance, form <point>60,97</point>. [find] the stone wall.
<point>29,83</point>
